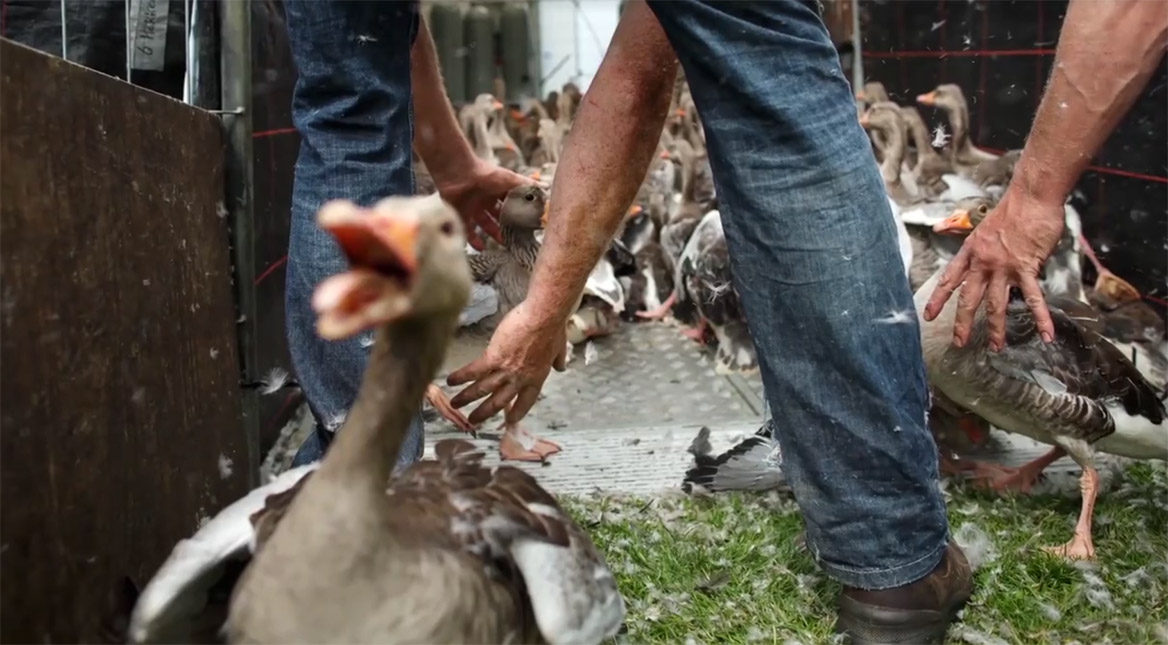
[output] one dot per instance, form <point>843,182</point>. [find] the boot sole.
<point>867,624</point>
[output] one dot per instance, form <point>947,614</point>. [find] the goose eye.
<point>448,228</point>
<point>529,197</point>
<point>983,209</point>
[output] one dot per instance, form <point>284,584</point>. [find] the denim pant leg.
<point>814,255</point>
<point>352,106</point>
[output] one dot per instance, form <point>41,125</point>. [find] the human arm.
<point>1107,51</point>
<point>471,185</point>
<point>604,160</point>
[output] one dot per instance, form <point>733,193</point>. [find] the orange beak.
<point>929,99</point>
<point>634,210</point>
<point>680,111</point>
<point>497,105</point>
<point>510,147</point>
<point>543,220</point>
<point>665,154</point>
<point>371,236</point>
<point>380,246</point>
<point>536,175</point>
<point>860,96</point>
<point>958,222</point>
<point>864,120</point>
<point>517,115</point>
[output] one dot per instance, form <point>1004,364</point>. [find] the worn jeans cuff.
<point>887,578</point>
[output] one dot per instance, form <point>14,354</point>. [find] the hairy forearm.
<point>437,137</point>
<point>1107,51</point>
<point>604,160</point>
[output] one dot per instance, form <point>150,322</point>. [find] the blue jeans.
<point>352,106</point>
<point>814,256</point>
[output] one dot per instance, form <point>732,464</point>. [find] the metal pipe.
<point>64,33</point>
<point>188,56</point>
<point>235,91</point>
<point>129,43</point>
<point>857,52</point>
<point>204,55</point>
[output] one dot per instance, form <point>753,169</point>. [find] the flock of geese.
<point>449,550</point>
<point>1099,387</point>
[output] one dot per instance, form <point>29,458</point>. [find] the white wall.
<point>578,32</point>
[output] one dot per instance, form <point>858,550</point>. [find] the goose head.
<point>948,97</point>
<point>525,207</point>
<point>873,92</point>
<point>885,117</point>
<point>966,215</point>
<point>407,261</point>
<point>487,104</point>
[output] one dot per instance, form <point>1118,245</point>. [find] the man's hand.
<point>1008,247</point>
<point>476,193</point>
<point>523,350</point>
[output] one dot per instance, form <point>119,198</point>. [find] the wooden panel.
<point>119,427</point>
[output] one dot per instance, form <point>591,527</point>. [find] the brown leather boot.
<point>919,612</point>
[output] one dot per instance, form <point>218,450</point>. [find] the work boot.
<point>919,612</point>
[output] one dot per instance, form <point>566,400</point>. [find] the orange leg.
<point>1020,479</point>
<point>517,444</point>
<point>441,403</point>
<point>1081,546</point>
<point>698,333</point>
<point>659,312</point>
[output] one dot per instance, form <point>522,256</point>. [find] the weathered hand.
<point>1007,248</point>
<point>514,366</point>
<point>476,193</point>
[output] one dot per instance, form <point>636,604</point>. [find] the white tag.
<point>148,38</point>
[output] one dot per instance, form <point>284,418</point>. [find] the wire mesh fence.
<point>1001,53</point>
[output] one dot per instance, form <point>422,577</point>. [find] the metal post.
<point>64,33</point>
<point>203,55</point>
<point>235,90</point>
<point>129,42</point>
<point>857,52</point>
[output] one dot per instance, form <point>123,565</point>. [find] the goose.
<point>915,208</point>
<point>930,167</point>
<point>475,120</point>
<point>344,550</point>
<point>1077,393</point>
<point>678,227</point>
<point>506,271</point>
<point>753,464</point>
<point>949,97</point>
<point>703,280</point>
<point>1061,274</point>
<point>873,92</point>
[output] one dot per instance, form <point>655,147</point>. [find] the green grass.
<point>730,570</point>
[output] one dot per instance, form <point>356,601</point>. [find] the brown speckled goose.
<point>329,554</point>
<point>1078,393</point>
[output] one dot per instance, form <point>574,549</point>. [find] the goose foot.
<point>659,312</point>
<point>1020,479</point>
<point>696,334</point>
<point>438,399</point>
<point>1116,287</point>
<point>1108,283</point>
<point>518,444</point>
<point>1081,546</point>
